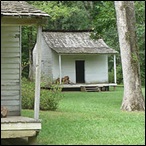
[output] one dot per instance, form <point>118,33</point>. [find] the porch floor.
<point>78,86</point>
<point>19,126</point>
<point>84,84</point>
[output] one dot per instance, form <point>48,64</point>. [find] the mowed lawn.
<point>91,118</point>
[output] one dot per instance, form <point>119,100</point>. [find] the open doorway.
<point>80,71</point>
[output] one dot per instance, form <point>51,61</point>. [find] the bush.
<point>49,99</point>
<point>119,75</point>
<point>27,94</point>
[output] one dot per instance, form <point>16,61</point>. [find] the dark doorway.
<point>80,71</point>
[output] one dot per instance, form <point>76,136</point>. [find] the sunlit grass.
<point>91,118</point>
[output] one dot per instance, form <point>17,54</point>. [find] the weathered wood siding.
<point>10,69</point>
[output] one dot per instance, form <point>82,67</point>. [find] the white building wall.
<point>46,66</point>
<point>68,67</point>
<point>46,62</point>
<point>11,69</point>
<point>96,67</point>
<point>55,65</point>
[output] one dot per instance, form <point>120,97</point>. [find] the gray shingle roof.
<point>76,43</point>
<point>19,8</point>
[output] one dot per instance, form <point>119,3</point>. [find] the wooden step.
<point>94,88</point>
<point>90,88</point>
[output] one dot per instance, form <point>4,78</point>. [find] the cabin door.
<point>80,71</point>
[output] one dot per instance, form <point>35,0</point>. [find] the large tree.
<point>133,98</point>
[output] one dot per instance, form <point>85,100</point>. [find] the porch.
<point>19,126</point>
<point>85,87</point>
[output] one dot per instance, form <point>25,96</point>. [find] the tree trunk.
<point>133,98</point>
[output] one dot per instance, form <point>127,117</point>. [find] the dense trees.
<point>96,15</point>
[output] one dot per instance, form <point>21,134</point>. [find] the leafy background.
<point>98,16</point>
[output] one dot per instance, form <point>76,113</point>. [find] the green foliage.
<point>105,27</point>
<point>119,75</point>
<point>140,31</point>
<point>28,42</point>
<point>96,15</point>
<point>105,20</point>
<point>49,99</point>
<point>64,15</point>
<point>27,94</point>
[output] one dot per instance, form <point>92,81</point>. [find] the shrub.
<point>49,99</point>
<point>118,73</point>
<point>27,94</point>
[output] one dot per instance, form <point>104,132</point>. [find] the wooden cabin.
<point>15,14</point>
<point>76,55</point>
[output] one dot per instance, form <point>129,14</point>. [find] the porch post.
<point>60,75</point>
<point>115,77</point>
<point>38,74</point>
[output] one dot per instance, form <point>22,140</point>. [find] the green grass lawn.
<point>91,118</point>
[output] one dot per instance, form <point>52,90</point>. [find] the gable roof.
<point>19,8</point>
<point>75,43</point>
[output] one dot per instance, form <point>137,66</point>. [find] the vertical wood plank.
<point>115,76</point>
<point>60,68</point>
<point>20,69</point>
<point>38,74</point>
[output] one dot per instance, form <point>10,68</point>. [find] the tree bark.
<point>133,98</point>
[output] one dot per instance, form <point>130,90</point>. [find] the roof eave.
<point>22,20</point>
<point>25,14</point>
<point>63,53</point>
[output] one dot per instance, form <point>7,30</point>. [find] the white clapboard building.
<point>15,14</point>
